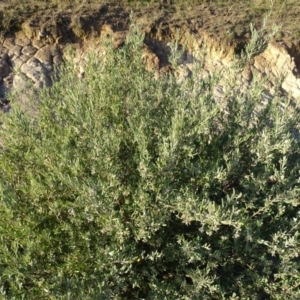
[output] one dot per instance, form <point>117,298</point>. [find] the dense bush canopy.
<point>122,186</point>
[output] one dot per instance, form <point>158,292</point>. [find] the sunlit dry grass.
<point>228,13</point>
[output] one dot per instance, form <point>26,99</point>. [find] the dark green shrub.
<point>122,186</point>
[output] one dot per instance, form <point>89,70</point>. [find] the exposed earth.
<point>35,37</point>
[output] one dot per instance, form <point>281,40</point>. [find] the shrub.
<point>122,186</point>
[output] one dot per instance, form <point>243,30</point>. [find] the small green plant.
<point>123,186</point>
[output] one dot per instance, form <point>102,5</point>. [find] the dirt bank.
<point>34,37</point>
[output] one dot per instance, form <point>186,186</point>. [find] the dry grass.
<point>229,15</point>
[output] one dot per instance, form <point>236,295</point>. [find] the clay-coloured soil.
<point>34,33</point>
<point>228,19</point>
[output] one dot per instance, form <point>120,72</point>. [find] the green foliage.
<point>122,186</point>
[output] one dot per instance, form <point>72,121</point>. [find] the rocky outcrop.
<point>31,54</point>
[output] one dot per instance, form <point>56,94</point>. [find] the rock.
<point>260,63</point>
<point>295,93</point>
<point>22,40</point>
<point>33,69</point>
<point>3,52</point>
<point>28,29</point>
<point>17,63</point>
<point>39,43</point>
<point>43,82</point>
<point>4,68</point>
<point>150,58</point>
<point>247,73</point>
<point>119,39</point>
<point>8,81</point>
<point>29,50</point>
<point>9,43</point>
<point>33,51</point>
<point>15,51</point>
<point>44,56</point>
<point>24,58</point>
<point>20,82</point>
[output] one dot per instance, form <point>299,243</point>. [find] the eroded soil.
<point>35,34</point>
